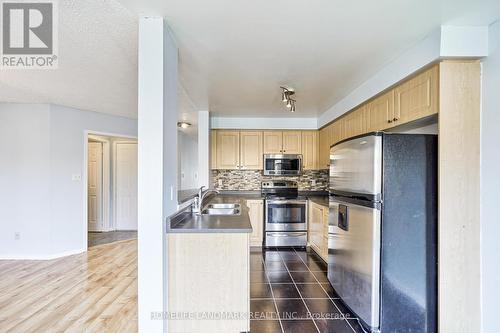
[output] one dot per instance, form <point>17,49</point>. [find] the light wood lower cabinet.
<point>208,274</point>
<point>256,213</point>
<point>318,229</point>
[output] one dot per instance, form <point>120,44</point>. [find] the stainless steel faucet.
<point>198,201</point>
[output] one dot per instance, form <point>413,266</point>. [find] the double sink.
<point>222,209</point>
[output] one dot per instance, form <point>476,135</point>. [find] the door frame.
<point>84,183</point>
<point>113,188</point>
<point>106,160</point>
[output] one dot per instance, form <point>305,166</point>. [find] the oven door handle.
<point>300,202</point>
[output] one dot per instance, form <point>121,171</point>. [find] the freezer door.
<point>356,166</point>
<point>354,258</point>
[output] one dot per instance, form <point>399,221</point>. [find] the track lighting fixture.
<point>285,98</point>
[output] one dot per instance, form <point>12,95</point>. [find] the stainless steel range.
<point>285,214</point>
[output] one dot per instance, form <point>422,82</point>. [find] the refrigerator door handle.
<point>343,218</point>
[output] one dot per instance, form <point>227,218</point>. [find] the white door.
<point>126,186</point>
<point>94,187</point>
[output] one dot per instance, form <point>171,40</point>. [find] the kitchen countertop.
<point>319,199</point>
<point>186,221</point>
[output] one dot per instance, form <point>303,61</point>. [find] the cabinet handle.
<point>389,121</point>
<point>395,119</point>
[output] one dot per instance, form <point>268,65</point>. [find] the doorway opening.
<point>111,189</point>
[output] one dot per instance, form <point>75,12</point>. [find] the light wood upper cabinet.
<point>354,123</point>
<point>325,139</point>
<point>417,97</point>
<point>292,142</point>
<point>273,142</point>
<point>380,112</point>
<point>213,149</point>
<point>228,149</point>
<point>256,215</point>
<point>310,150</point>
<point>337,133</point>
<point>251,150</point>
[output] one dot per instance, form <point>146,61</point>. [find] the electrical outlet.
<point>313,182</point>
<point>220,182</point>
<point>76,177</point>
<point>17,235</point>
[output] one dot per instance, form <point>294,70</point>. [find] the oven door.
<point>283,165</point>
<point>286,215</point>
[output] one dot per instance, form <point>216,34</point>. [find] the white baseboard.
<point>41,257</point>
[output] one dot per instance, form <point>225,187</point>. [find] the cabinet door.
<point>337,133</point>
<point>228,149</point>
<point>213,149</point>
<point>251,150</point>
<point>380,112</point>
<point>273,142</point>
<point>316,223</point>
<point>417,97</point>
<point>325,139</point>
<point>310,150</point>
<point>324,243</point>
<point>292,142</point>
<point>354,123</point>
<point>256,214</point>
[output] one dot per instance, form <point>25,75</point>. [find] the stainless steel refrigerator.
<point>382,240</point>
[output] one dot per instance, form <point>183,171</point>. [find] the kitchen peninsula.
<point>201,296</point>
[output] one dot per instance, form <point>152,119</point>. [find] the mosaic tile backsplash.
<point>249,180</point>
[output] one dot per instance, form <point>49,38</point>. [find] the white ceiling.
<point>97,62</point>
<point>235,54</point>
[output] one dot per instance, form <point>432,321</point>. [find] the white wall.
<point>55,151</point>
<point>68,144</point>
<point>188,161</point>
<point>25,181</point>
<point>490,182</point>
<point>203,148</point>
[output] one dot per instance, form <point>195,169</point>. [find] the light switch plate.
<point>76,177</point>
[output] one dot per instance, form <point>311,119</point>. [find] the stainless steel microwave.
<point>282,165</point>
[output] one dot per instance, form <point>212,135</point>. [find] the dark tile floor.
<point>290,292</point>
<point>99,238</point>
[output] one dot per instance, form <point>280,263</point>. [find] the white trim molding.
<point>44,257</point>
<point>263,123</point>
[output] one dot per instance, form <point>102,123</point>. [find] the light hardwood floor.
<point>94,291</point>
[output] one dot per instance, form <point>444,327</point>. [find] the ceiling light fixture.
<point>183,124</point>
<point>286,98</point>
